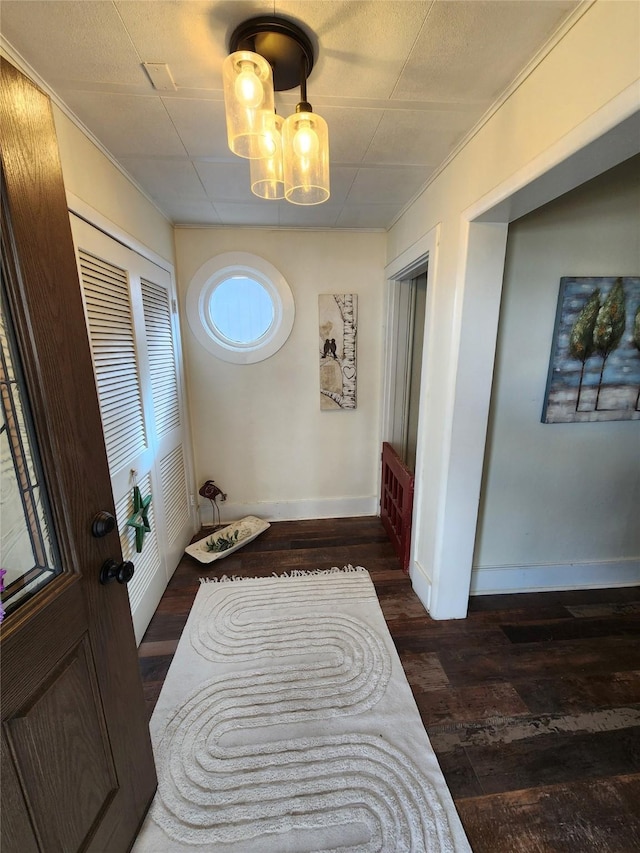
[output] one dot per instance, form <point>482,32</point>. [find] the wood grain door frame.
<point>71,646</point>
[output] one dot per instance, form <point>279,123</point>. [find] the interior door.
<point>414,373</point>
<point>77,766</point>
<point>399,453</point>
<point>407,340</point>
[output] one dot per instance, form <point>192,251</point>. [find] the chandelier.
<point>289,158</point>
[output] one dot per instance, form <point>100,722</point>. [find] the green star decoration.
<point>140,518</point>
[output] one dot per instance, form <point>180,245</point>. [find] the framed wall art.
<point>594,371</point>
<point>338,330</point>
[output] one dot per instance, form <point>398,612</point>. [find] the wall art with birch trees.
<point>338,329</point>
<point>594,372</point>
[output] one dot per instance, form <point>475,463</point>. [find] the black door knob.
<point>103,523</point>
<point>112,571</point>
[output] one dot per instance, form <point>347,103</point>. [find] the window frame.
<point>213,273</point>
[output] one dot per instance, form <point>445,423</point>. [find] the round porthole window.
<point>241,310</point>
<point>240,307</point>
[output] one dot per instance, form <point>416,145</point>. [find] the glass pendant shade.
<point>267,177</point>
<point>249,103</point>
<point>305,143</point>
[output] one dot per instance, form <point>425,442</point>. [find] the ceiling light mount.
<point>285,46</point>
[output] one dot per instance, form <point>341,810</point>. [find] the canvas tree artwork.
<point>338,327</point>
<point>594,373</point>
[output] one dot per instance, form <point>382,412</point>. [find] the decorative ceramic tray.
<point>236,534</point>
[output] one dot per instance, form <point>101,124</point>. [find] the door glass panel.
<point>27,549</point>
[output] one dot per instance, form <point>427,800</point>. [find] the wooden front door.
<point>77,765</point>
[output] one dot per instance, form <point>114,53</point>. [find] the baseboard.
<point>293,510</point>
<point>548,578</point>
<point>421,583</point>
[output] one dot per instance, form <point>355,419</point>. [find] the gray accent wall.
<point>560,503</point>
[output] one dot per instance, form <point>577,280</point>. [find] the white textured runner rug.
<point>286,725</point>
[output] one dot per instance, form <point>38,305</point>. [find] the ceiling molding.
<point>10,53</point>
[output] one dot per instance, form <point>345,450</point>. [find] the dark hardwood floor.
<point>532,703</point>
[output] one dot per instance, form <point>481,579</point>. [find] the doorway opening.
<point>413,372</point>
<point>400,451</point>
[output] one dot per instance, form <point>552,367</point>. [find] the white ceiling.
<point>399,83</point>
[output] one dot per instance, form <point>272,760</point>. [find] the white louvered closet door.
<point>168,434</point>
<point>136,355</point>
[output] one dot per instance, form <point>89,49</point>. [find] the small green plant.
<point>222,543</point>
<point>609,327</point>
<point>581,343</point>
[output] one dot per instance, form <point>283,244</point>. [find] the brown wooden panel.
<point>520,758</point>
<point>592,816</point>
<point>59,604</point>
<point>423,671</point>
<point>459,774</point>
<point>574,629</point>
<point>62,754</point>
<point>572,693</point>
<point>518,661</point>
<point>460,704</point>
<point>16,832</point>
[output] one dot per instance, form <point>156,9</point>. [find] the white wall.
<point>584,85</point>
<point>257,429</point>
<point>558,495</point>
<point>93,179</point>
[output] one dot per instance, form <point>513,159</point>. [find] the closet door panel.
<point>150,578</point>
<point>135,346</point>
<point>161,334</point>
<point>110,319</point>
<point>163,374</point>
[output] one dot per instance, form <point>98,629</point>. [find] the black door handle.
<point>103,523</point>
<point>112,571</point>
